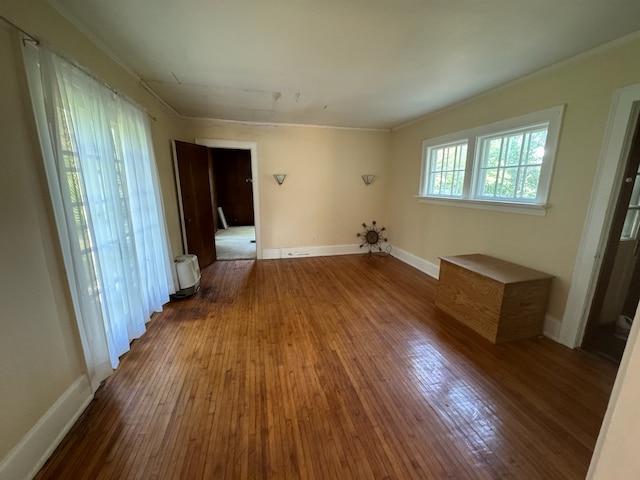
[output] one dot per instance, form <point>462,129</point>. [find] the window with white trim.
<point>504,163</point>
<point>446,169</point>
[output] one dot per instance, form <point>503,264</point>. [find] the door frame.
<point>252,147</point>
<point>621,124</point>
<point>613,247</point>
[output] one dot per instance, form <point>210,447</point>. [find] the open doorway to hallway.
<point>238,197</point>
<point>232,196</point>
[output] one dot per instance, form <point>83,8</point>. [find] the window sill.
<point>513,207</point>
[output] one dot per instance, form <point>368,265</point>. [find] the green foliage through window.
<point>506,163</point>
<point>510,164</point>
<point>447,169</point>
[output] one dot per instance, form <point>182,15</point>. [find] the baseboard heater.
<point>188,271</point>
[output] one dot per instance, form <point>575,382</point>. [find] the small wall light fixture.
<point>367,179</point>
<point>279,177</point>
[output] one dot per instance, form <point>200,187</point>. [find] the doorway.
<point>214,177</point>
<point>249,149</point>
<point>617,290</point>
<point>621,124</point>
<point>233,201</point>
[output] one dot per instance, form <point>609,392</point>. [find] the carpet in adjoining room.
<point>236,243</point>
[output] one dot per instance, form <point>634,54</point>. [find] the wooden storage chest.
<point>501,301</point>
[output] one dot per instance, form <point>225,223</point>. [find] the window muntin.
<point>508,164</point>
<point>632,219</point>
<point>447,166</point>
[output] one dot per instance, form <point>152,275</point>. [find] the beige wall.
<point>323,201</point>
<point>40,19</point>
<point>585,84</point>
<point>40,353</point>
<point>323,196</point>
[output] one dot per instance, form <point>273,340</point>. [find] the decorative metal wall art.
<point>371,237</point>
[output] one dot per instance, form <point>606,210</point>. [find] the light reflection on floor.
<point>458,404</point>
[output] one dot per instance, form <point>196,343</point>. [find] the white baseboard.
<point>551,328</point>
<point>421,264</point>
<point>298,252</point>
<point>28,456</point>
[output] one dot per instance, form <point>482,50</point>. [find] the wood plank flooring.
<point>333,368</point>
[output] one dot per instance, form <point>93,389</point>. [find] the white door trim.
<point>613,156</point>
<point>176,172</point>
<point>253,149</point>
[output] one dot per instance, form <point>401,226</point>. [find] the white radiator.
<point>188,271</point>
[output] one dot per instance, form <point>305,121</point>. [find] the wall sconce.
<point>279,177</point>
<point>367,179</point>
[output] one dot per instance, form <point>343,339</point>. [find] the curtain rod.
<point>36,41</point>
<point>24,32</point>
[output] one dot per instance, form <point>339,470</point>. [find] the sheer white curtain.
<point>101,170</point>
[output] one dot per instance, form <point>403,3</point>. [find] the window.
<point>632,219</point>
<point>99,162</point>
<point>504,164</point>
<point>447,166</point>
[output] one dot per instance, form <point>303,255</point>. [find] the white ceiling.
<point>352,63</point>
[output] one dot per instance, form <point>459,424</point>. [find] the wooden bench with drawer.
<point>501,301</point>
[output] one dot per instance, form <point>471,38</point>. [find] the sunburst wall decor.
<point>371,236</point>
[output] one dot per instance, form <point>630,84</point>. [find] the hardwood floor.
<point>333,368</point>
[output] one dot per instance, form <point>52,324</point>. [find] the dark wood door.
<point>234,185</point>
<point>193,170</point>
